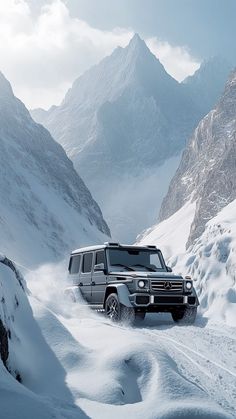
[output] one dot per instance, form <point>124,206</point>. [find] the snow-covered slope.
<point>45,208</point>
<point>171,235</point>
<point>32,382</point>
<point>207,172</point>
<point>119,123</point>
<point>211,261</point>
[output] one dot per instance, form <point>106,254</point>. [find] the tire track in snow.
<point>222,390</point>
<point>175,342</point>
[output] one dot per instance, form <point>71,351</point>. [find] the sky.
<point>46,44</point>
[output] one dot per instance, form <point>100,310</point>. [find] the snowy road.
<point>205,355</point>
<point>157,370</point>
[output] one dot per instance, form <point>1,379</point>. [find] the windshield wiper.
<point>144,266</point>
<point>124,266</point>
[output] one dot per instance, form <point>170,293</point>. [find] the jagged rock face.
<point>4,352</point>
<point>207,172</point>
<point>6,318</point>
<point>45,207</point>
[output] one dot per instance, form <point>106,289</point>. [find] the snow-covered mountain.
<point>206,85</point>
<point>207,172</point>
<point>119,123</point>
<point>45,207</point>
<point>198,213</point>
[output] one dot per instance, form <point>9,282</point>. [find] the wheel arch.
<point>122,291</point>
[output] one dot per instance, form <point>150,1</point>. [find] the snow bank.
<point>211,261</point>
<point>33,371</point>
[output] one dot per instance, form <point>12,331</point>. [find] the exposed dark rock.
<point>207,172</point>
<point>3,343</point>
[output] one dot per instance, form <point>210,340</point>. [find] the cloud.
<point>42,54</point>
<point>176,59</point>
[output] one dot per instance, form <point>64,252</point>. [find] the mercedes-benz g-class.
<point>129,281</point>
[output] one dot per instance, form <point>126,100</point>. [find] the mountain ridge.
<point>41,190</point>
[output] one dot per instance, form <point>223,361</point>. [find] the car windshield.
<point>135,260</point>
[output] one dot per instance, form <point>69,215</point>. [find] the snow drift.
<point>211,261</point>
<point>67,362</point>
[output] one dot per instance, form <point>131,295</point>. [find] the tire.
<point>140,316</point>
<point>186,316</point>
<point>117,312</point>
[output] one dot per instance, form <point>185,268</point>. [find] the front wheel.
<point>117,312</point>
<point>185,316</point>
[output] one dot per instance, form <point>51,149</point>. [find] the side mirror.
<point>169,269</point>
<point>99,267</point>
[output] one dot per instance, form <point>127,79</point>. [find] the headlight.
<point>141,284</point>
<point>188,285</point>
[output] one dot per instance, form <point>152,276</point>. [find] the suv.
<point>129,281</point>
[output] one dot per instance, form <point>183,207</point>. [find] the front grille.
<point>166,285</point>
<point>142,299</point>
<point>168,299</point>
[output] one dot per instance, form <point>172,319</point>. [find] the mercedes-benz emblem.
<point>167,285</point>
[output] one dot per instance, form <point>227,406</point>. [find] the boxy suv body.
<point>129,281</point>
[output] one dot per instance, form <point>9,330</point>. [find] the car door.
<point>99,278</point>
<point>86,276</point>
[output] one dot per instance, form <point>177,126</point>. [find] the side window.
<point>100,257</point>
<point>74,264</point>
<point>87,262</point>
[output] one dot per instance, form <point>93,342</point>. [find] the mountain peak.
<point>137,43</point>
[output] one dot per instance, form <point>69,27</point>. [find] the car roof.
<point>111,246</point>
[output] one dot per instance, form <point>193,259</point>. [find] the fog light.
<point>188,285</point>
<point>141,284</point>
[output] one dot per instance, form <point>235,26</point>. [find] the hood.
<point>142,274</point>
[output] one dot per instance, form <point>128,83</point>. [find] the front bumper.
<point>151,301</point>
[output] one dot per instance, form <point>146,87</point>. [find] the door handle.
<point>93,283</point>
<point>81,284</point>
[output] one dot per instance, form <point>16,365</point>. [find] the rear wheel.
<point>185,316</point>
<point>117,312</point>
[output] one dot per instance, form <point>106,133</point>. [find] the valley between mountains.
<point>129,154</point>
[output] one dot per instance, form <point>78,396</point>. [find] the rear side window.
<point>87,262</point>
<point>74,264</point>
<point>100,257</point>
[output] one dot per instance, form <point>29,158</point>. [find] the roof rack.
<point>112,244</point>
<point>151,246</point>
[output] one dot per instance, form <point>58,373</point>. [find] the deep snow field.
<point>75,363</point>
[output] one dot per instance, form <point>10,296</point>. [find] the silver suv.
<point>129,281</point>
